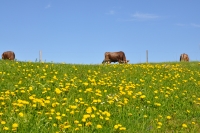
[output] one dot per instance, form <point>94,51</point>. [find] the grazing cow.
<point>115,57</point>
<point>10,55</point>
<point>184,57</point>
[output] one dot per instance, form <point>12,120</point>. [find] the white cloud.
<point>48,6</point>
<point>111,12</point>
<point>144,16</point>
<point>196,25</point>
<point>180,24</point>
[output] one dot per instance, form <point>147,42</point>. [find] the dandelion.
<point>34,105</point>
<point>88,124</point>
<point>92,115</point>
<point>157,104</point>
<point>15,125</point>
<point>67,126</point>
<point>58,91</point>
<point>122,128</point>
<point>145,116</point>
<point>86,84</point>
<point>156,97</point>
<point>83,120</point>
<point>58,117</point>
<point>193,123</point>
<point>72,112</point>
<point>116,126</point>
<point>142,96</point>
<point>76,122</point>
<point>3,122</point>
<point>5,128</point>
<point>148,102</point>
<point>107,118</point>
<point>168,117</point>
<point>55,125</point>
<point>159,123</point>
<point>80,125</point>
<point>21,114</point>
<point>99,126</point>
<point>184,125</point>
<point>89,110</point>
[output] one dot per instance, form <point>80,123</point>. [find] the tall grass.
<point>47,97</point>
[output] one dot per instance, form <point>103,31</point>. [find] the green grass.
<point>46,97</point>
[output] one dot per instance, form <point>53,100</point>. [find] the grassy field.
<point>132,98</point>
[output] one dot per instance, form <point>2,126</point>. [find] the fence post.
<point>40,56</point>
<point>146,56</point>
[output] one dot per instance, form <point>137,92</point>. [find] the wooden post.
<point>146,56</point>
<point>40,56</point>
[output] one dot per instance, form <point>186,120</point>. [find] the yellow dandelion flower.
<point>89,110</point>
<point>133,97</point>
<point>14,125</point>
<point>83,120</point>
<point>73,106</point>
<point>157,104</point>
<point>72,112</point>
<point>85,83</point>
<point>116,127</point>
<point>21,114</point>
<point>107,118</point>
<point>88,124</point>
<point>142,96</point>
<point>55,125</point>
<point>130,114</point>
<point>5,128</point>
<point>99,126</point>
<point>92,115</point>
<point>67,126</point>
<point>34,105</point>
<point>122,128</point>
<point>158,126</point>
<point>159,123</point>
<point>80,125</point>
<point>94,108</point>
<point>76,122</point>
<point>168,117</point>
<point>145,116</point>
<point>58,91</point>
<point>58,117</point>
<point>3,122</point>
<point>184,125</point>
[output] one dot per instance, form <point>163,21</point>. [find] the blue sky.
<point>81,31</point>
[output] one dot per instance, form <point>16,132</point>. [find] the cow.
<point>10,55</point>
<point>184,57</point>
<point>115,57</point>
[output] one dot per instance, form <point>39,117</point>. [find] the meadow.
<point>131,98</point>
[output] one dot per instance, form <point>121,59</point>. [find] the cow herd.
<point>108,57</point>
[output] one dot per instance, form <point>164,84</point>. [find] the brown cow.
<point>184,57</point>
<point>10,55</point>
<point>115,57</point>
